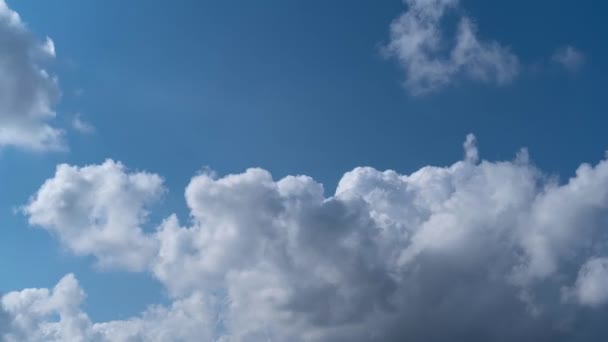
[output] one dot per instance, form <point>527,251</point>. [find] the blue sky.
<point>295,88</point>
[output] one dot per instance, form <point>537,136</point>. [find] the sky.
<point>303,170</point>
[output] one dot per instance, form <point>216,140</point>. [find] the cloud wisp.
<point>82,126</point>
<point>569,58</point>
<point>477,250</point>
<point>432,60</point>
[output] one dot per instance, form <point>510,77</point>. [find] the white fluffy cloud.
<point>569,57</point>
<point>47,315</point>
<point>98,210</point>
<point>477,250</point>
<point>431,61</point>
<point>39,315</point>
<point>27,91</point>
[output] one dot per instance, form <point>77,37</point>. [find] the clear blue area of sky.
<point>295,87</point>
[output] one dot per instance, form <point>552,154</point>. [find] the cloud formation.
<point>55,315</point>
<point>590,288</point>
<point>432,61</point>
<point>27,91</point>
<point>569,57</point>
<point>82,126</point>
<point>477,250</point>
<point>98,210</point>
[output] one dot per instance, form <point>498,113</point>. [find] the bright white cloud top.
<point>98,210</point>
<point>27,91</point>
<point>476,250</point>
<point>431,61</point>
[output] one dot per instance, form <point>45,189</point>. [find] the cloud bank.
<point>27,91</point>
<point>432,61</point>
<point>476,251</point>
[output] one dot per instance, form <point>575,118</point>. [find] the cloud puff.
<point>47,315</point>
<point>591,284</point>
<point>418,42</point>
<point>569,57</point>
<point>55,315</point>
<point>81,125</point>
<point>98,210</point>
<point>27,91</point>
<point>477,250</point>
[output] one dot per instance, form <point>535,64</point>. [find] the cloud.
<point>56,315</point>
<point>49,47</point>
<point>431,62</point>
<point>47,315</point>
<point>590,288</point>
<point>82,126</point>
<point>476,251</point>
<point>98,210</point>
<point>187,319</point>
<point>569,57</point>
<point>27,91</point>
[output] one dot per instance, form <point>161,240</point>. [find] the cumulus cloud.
<point>569,57</point>
<point>47,315</point>
<point>98,210</point>
<point>475,251</point>
<point>27,91</point>
<point>432,61</point>
<point>56,315</point>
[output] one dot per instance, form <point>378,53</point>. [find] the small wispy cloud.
<point>569,57</point>
<point>418,41</point>
<point>49,47</point>
<point>81,125</point>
